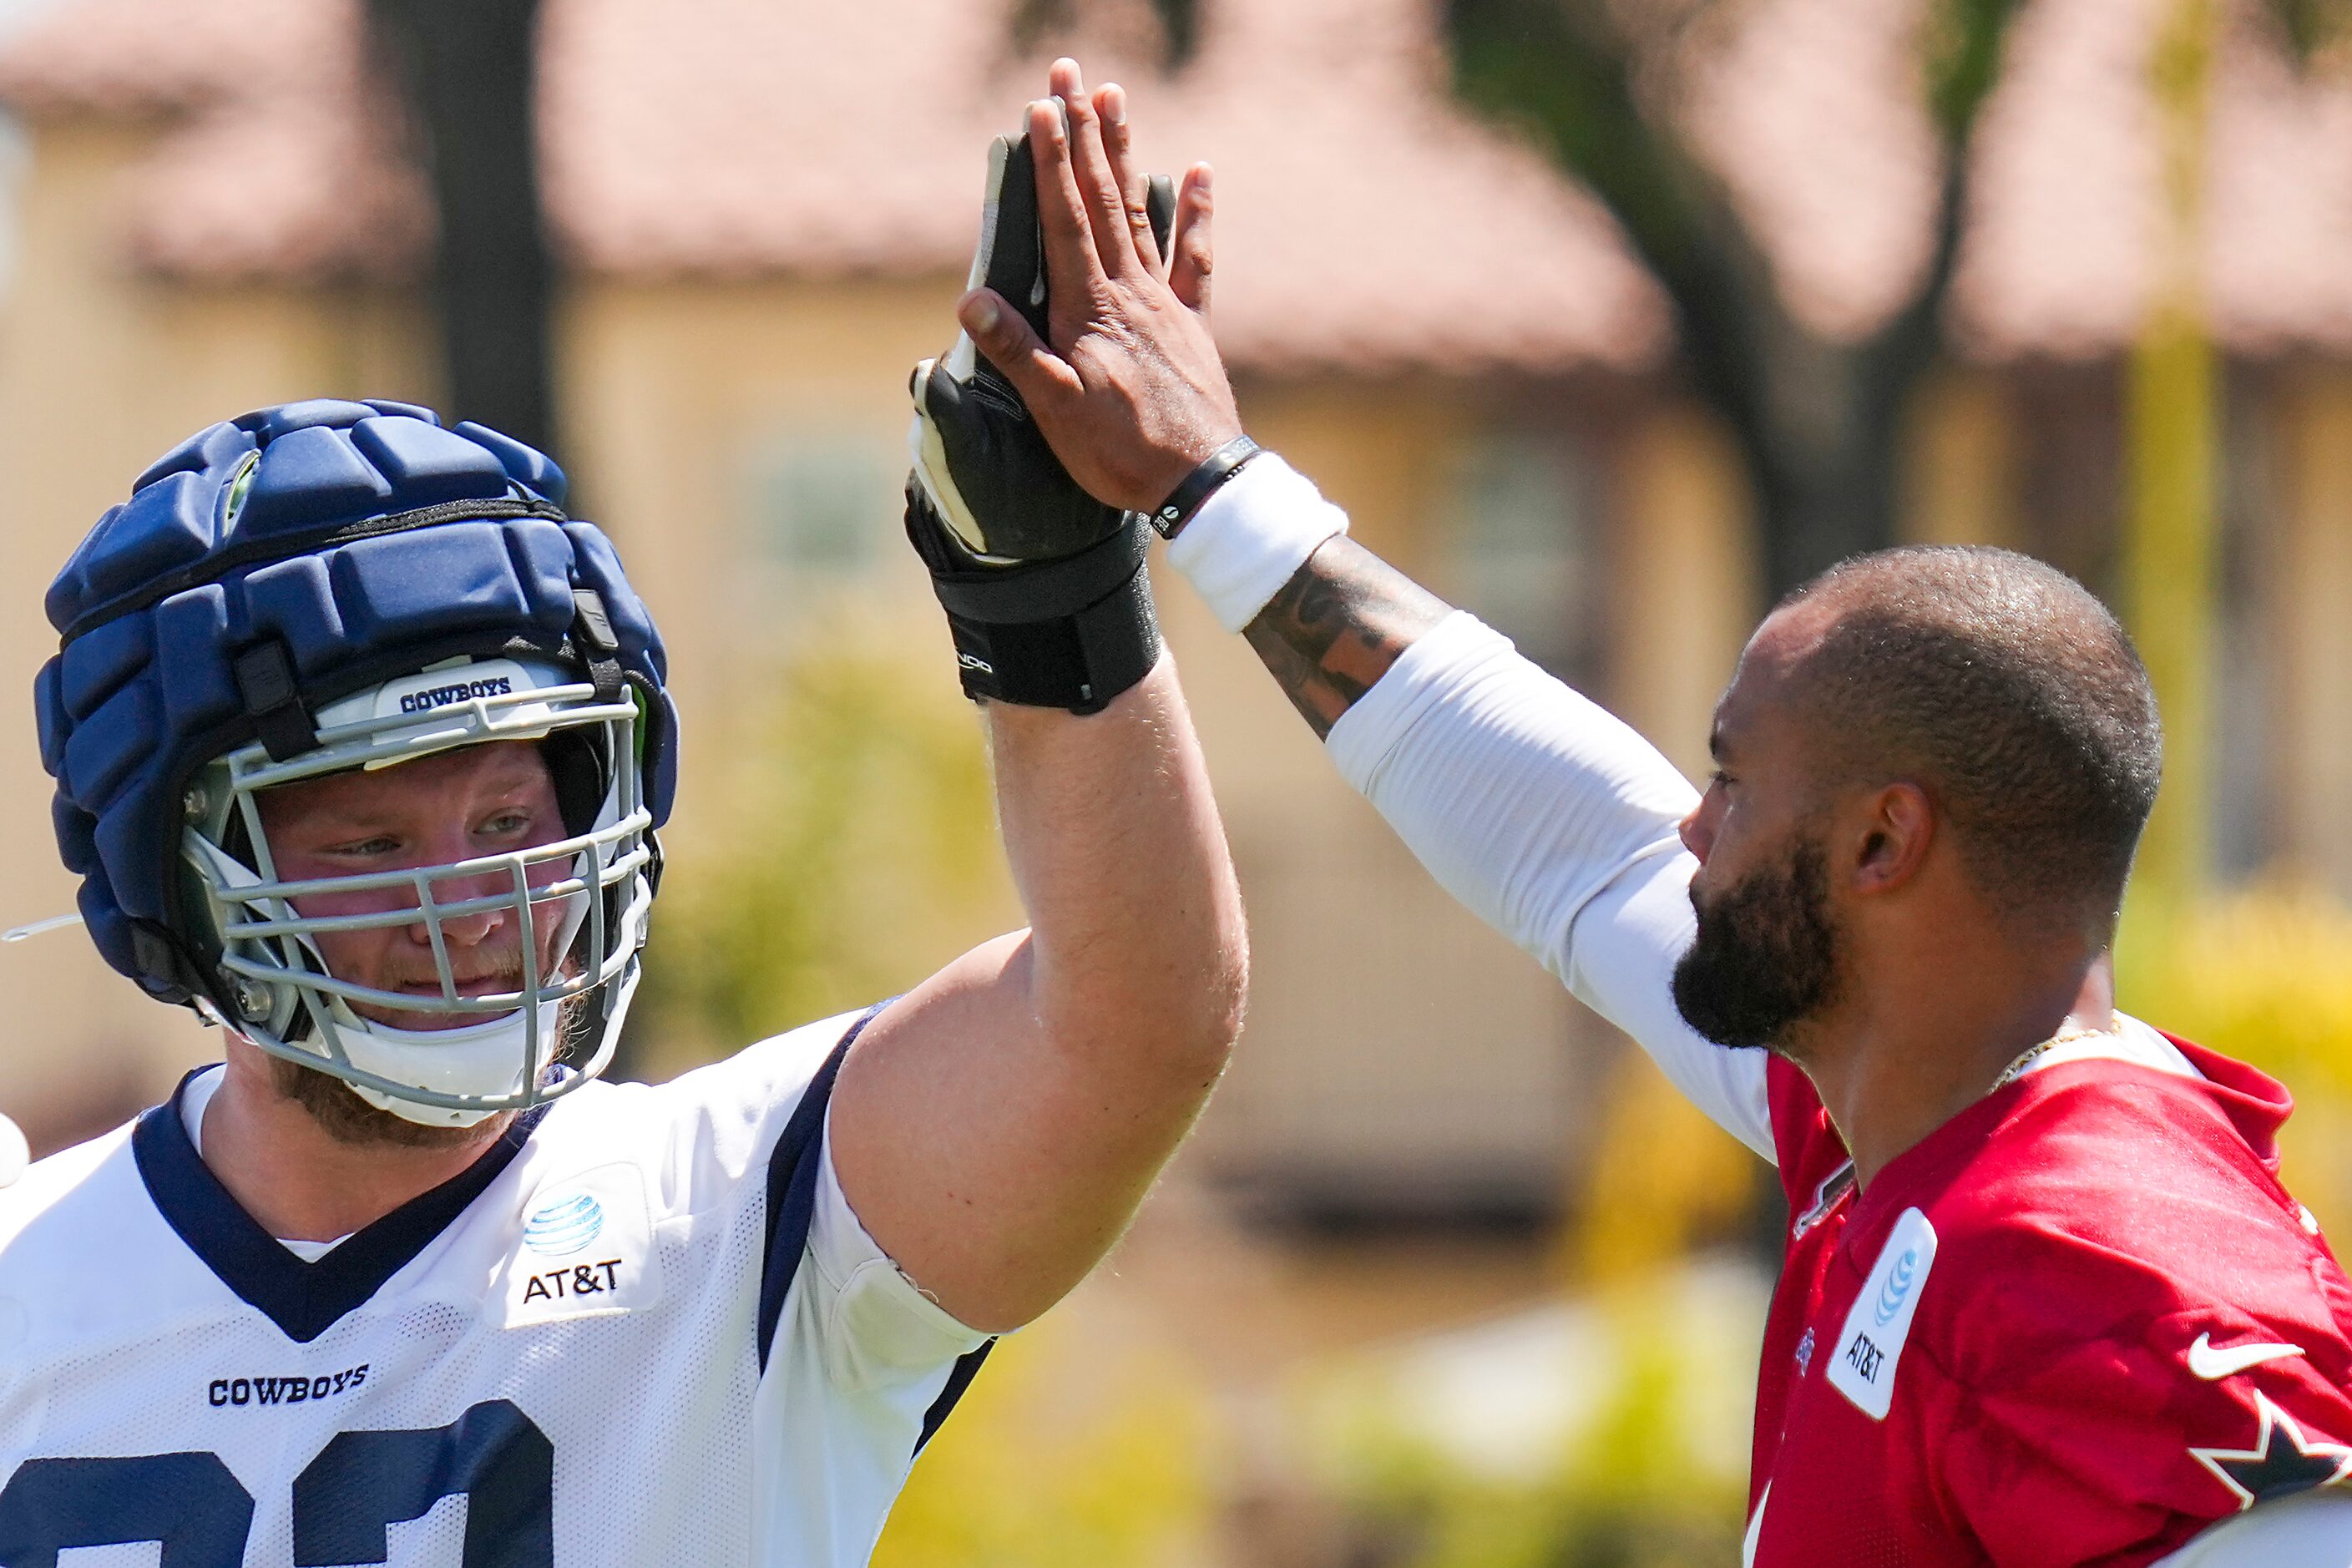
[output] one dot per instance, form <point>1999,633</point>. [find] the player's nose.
<point>1698,830</point>
<point>465,928</point>
<point>462,931</point>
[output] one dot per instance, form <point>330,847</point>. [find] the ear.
<point>1896,829</point>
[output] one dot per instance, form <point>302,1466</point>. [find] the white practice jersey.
<point>644,1329</point>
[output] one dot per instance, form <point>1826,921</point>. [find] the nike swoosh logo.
<point>2210,1363</point>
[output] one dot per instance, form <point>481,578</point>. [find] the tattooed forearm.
<point>1337,626</point>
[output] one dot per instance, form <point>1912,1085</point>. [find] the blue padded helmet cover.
<point>364,539</point>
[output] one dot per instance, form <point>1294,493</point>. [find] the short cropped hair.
<point>2010,691</point>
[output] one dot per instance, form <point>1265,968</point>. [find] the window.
<point>824,507</point>
<point>1522,546</point>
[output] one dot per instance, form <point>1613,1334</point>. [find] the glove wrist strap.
<point>1072,632</point>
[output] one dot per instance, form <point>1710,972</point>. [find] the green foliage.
<point>1598,86</point>
<point>1647,1463</point>
<point>1563,71</point>
<point>1025,1476</point>
<point>1638,1485</point>
<point>2313,27</point>
<point>1640,1214</point>
<point>1964,49</point>
<point>845,847</point>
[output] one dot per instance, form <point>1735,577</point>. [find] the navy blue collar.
<point>304,1300</point>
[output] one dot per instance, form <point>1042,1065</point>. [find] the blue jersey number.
<point>363,1482</point>
<point>345,1501</point>
<point>187,1502</point>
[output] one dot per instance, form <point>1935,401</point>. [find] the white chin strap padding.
<point>494,1060</point>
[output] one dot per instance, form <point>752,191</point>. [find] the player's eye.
<point>380,844</point>
<point>1719,779</point>
<point>506,824</point>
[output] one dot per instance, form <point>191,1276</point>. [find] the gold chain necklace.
<point>2028,1057</point>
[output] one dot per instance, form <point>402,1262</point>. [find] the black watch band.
<point>1188,497</point>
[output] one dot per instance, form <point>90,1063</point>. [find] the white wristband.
<point>1250,537</point>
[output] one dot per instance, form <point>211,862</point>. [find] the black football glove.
<point>1043,585</point>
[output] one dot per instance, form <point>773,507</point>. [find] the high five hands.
<point>1129,391</point>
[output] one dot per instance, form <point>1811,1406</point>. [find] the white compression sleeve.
<point>1555,824</point>
<point>2304,1530</point>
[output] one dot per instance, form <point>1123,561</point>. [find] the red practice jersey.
<point>2074,1325</point>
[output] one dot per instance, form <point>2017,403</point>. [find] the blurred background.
<point>1610,319</point>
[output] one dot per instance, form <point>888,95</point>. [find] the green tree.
<point>1816,419</point>
<point>1645,1478</point>
<point>845,847</point>
<point>2314,27</point>
<point>1595,84</point>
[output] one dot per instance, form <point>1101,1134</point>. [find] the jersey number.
<point>345,1500</point>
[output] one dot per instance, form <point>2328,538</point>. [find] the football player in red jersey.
<point>2045,1300</point>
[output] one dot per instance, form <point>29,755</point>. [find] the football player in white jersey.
<point>360,746</point>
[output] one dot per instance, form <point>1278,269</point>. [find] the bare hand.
<point>1130,391</point>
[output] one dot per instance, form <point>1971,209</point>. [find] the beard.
<point>1766,957</point>
<point>337,1107</point>
<point>347,1119</point>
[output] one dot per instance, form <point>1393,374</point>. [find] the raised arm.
<point>1548,818</point>
<point>994,1130</point>
<point>1525,800</point>
<point>1331,632</point>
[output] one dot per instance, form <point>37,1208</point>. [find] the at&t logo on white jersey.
<point>587,1251</point>
<point>564,1225</point>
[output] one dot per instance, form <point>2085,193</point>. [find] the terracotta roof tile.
<point>1810,114</point>
<point>2279,235</point>
<point>1365,221</point>
<point>753,142</point>
<point>2070,225</point>
<point>135,57</point>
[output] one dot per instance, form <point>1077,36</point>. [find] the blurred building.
<point>764,206</point>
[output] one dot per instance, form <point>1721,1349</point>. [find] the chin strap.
<point>592,632</point>
<point>265,681</point>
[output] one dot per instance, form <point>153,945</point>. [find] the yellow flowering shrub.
<point>2264,975</point>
